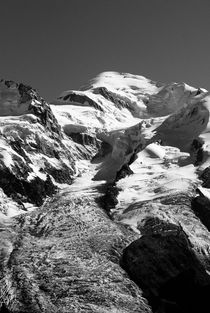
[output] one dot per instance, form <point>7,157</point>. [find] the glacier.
<point>105,196</point>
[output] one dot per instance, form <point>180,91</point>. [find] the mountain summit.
<point>105,198</point>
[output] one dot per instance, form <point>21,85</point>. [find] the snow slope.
<point>112,104</point>
<point>120,152</point>
<point>170,125</point>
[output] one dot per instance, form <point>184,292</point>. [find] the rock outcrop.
<point>104,198</point>
<point>165,267</point>
<point>33,153</point>
<point>18,99</point>
<point>65,258</point>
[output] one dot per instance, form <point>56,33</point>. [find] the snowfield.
<point>101,188</point>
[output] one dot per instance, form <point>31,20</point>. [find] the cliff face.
<point>104,198</point>
<point>33,153</point>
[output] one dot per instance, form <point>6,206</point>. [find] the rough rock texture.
<point>164,265</point>
<point>19,189</point>
<point>205,177</point>
<point>78,99</point>
<point>119,101</point>
<point>201,207</point>
<point>17,99</point>
<point>65,258</point>
<point>119,174</point>
<point>33,153</point>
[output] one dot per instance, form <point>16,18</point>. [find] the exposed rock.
<point>17,188</point>
<point>119,101</point>
<point>205,177</point>
<point>171,98</point>
<point>105,149</point>
<point>28,155</point>
<point>65,258</point>
<point>4,309</point>
<point>84,139</point>
<point>80,99</point>
<point>109,200</point>
<point>197,151</point>
<point>201,203</point>
<point>184,125</point>
<point>17,99</point>
<point>201,207</point>
<point>164,265</point>
<point>120,155</point>
<point>123,172</point>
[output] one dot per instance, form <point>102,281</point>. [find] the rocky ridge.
<point>119,174</point>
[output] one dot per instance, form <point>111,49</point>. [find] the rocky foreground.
<point>105,199</point>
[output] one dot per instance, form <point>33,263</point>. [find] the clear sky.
<point>55,45</point>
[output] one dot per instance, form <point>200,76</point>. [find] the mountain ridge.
<point>91,184</point>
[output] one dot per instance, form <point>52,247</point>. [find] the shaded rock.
<point>17,99</point>
<point>119,101</point>
<point>105,149</point>
<point>4,309</point>
<point>34,191</point>
<point>200,204</point>
<point>66,259</point>
<point>205,177</point>
<point>109,200</point>
<point>197,150</point>
<point>80,99</point>
<point>164,265</point>
<point>84,139</point>
<point>201,207</point>
<point>123,172</point>
<point>61,176</point>
<point>32,145</point>
<point>40,108</point>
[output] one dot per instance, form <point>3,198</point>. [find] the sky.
<point>56,45</point>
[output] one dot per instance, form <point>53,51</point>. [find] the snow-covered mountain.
<point>105,197</point>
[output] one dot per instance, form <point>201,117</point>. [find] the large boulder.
<point>164,265</point>
<point>205,177</point>
<point>201,207</point>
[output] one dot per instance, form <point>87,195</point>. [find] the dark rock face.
<point>109,200</point>
<point>82,100</point>
<point>164,265</point>
<point>40,108</point>
<point>205,177</point>
<point>118,100</point>
<point>19,189</point>
<point>64,258</point>
<point>27,101</point>
<point>123,172</point>
<point>61,176</point>
<point>197,149</point>
<point>76,252</point>
<point>4,309</point>
<point>84,139</point>
<point>32,148</point>
<point>105,149</point>
<point>201,207</point>
<point>200,204</point>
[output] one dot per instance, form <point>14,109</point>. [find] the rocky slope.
<point>105,198</point>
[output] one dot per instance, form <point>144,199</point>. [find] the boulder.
<point>164,265</point>
<point>201,207</point>
<point>205,177</point>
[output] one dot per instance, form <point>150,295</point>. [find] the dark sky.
<point>55,45</point>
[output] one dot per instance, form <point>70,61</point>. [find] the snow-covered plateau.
<point>105,198</point>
